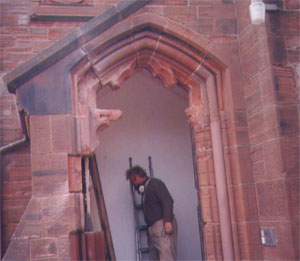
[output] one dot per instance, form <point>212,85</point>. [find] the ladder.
<point>141,229</point>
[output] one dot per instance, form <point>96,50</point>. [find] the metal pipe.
<point>220,173</point>
<point>14,143</point>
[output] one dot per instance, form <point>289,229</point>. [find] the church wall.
<point>261,119</point>
<point>271,95</point>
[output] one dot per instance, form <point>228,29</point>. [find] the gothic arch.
<point>172,53</point>
<point>153,42</point>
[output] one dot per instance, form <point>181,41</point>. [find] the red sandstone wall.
<point>265,110</point>
<point>15,191</point>
<point>270,57</point>
<point>21,39</point>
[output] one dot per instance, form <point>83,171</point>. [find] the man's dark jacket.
<point>158,202</point>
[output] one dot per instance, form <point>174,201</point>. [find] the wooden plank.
<point>101,246</point>
<point>101,207</point>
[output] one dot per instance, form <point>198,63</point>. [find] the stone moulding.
<point>148,41</point>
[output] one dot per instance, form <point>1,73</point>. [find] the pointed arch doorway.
<point>177,56</point>
<point>153,123</point>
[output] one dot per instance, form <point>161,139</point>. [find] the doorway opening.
<point>153,124</point>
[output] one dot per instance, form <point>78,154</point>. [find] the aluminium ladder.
<point>141,229</point>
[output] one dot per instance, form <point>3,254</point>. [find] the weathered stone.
<point>43,248</point>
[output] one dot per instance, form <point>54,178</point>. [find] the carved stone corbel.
<point>103,117</point>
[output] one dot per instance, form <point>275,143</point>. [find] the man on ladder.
<point>158,212</point>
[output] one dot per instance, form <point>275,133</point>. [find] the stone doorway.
<point>153,123</point>
<point>176,59</point>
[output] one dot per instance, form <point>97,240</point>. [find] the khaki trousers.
<point>161,245</point>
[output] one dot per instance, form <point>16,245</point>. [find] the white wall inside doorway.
<point>153,124</point>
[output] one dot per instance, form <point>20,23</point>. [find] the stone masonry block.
<point>18,250</point>
<point>240,164</point>
<point>238,136</point>
<point>59,215</point>
<point>270,123</point>
<point>293,56</point>
<point>7,232</point>
<point>58,32</point>
<point>285,84</point>
<point>226,26</point>
<point>180,14</point>
<point>245,202</point>
<point>40,133</point>
<point>256,153</point>
<point>209,204</point>
<point>289,120</point>
<point>283,23</point>
<point>61,133</point>
<point>19,173</point>
<point>274,166</point>
<point>14,203</point>
<point>255,60</point>
<point>75,173</point>
<point>256,128</point>
<point>259,170</point>
<point>14,214</point>
<point>213,243</point>
<point>16,190</point>
<point>268,85</point>
<point>49,174</point>
<point>293,196</point>
<point>39,46</point>
<point>249,241</point>
<point>21,157</point>
<point>254,103</point>
<point>272,200</point>
<point>238,119</point>
<point>52,184</point>
<point>43,248</point>
<point>64,248</point>
<point>292,42</point>
<point>49,163</point>
<point>30,224</point>
<point>34,206</point>
<point>290,156</point>
<point>169,2</point>
<point>92,47</point>
<point>277,50</point>
<point>252,85</point>
<point>28,230</point>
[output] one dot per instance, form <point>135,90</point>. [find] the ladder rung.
<point>143,250</point>
<point>138,206</point>
<point>142,227</point>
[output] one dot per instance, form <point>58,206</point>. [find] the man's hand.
<point>168,227</point>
